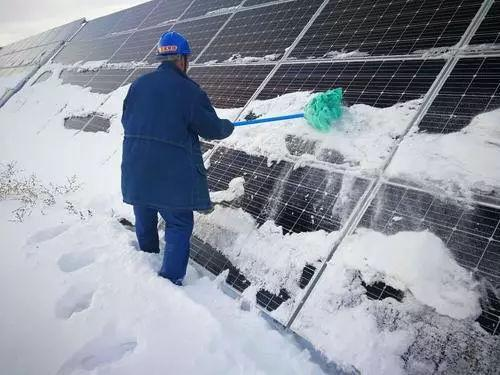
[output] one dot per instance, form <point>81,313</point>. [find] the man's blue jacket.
<point>164,112</point>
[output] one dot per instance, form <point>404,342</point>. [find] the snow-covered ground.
<point>78,298</point>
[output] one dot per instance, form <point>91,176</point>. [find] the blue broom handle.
<point>268,119</point>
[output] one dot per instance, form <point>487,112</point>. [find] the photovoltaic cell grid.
<point>166,12</point>
<point>488,32</point>
<point>262,31</point>
<point>91,50</point>
<point>387,27</point>
<point>54,35</point>
<point>230,86</point>
<point>297,199</point>
<point>198,32</point>
<point>375,83</point>
<point>102,81</point>
<point>92,123</point>
<point>472,234</point>
<point>139,44</point>
<point>472,87</point>
<point>132,18</point>
<point>203,7</point>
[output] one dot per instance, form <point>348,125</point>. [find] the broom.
<point>320,113</point>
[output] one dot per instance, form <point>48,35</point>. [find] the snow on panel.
<point>427,332</point>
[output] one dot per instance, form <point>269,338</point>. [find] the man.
<point>162,165</point>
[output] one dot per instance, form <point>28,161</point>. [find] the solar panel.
<point>198,32</point>
<point>166,12</point>
<point>98,27</point>
<point>91,123</point>
<point>262,31</point>
<point>375,83</point>
<point>471,233</point>
<point>488,32</point>
<point>298,200</point>
<point>28,56</point>
<point>91,50</point>
<point>471,88</point>
<point>139,45</point>
<point>74,77</point>
<point>132,18</point>
<point>203,7</point>
<point>387,27</point>
<point>230,86</point>
<point>107,80</point>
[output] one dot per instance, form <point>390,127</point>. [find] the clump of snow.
<point>234,191</point>
<point>238,59</point>
<point>278,258</point>
<point>459,162</point>
<point>418,262</point>
<point>364,136</point>
<point>100,64</point>
<point>441,52</point>
<point>344,55</point>
<point>222,10</point>
<point>386,336</point>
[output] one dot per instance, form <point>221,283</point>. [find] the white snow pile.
<point>364,136</point>
<point>460,162</point>
<point>234,191</point>
<point>239,59</point>
<point>267,257</point>
<point>344,54</point>
<point>436,316</point>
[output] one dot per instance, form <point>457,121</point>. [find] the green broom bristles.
<point>324,109</point>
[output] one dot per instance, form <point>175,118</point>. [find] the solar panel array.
<point>20,59</point>
<point>441,52</point>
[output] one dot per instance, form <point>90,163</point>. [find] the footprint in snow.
<point>101,351</point>
<point>76,260</point>
<point>46,234</point>
<point>76,299</point>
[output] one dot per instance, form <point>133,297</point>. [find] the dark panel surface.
<point>489,31</point>
<point>139,45</point>
<point>376,83</point>
<point>297,199</point>
<point>93,50</point>
<point>97,124</point>
<point>472,87</point>
<point>98,27</point>
<point>387,27</point>
<point>206,7</point>
<point>166,12</point>
<point>107,80</point>
<point>230,86</point>
<point>132,18</point>
<point>74,77</point>
<point>262,31</point>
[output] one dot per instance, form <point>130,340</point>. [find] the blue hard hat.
<point>172,43</point>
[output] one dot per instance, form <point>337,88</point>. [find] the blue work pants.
<point>178,230</point>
